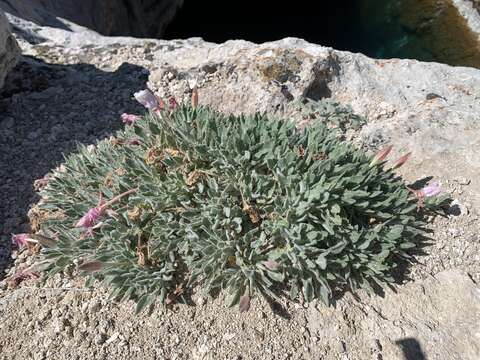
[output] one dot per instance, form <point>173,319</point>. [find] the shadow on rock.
<point>46,110</point>
<point>411,349</point>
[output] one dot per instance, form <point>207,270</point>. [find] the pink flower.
<point>129,119</point>
<point>134,142</point>
<point>20,240</point>
<point>172,103</point>
<point>90,218</point>
<point>431,190</point>
<point>147,99</point>
<point>381,155</point>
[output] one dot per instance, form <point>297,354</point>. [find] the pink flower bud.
<point>172,103</point>
<point>244,304</point>
<point>401,160</point>
<point>90,218</point>
<point>431,190</point>
<point>381,155</point>
<point>194,97</point>
<point>147,99</point>
<point>129,119</point>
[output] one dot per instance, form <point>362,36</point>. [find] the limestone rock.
<point>470,10</point>
<point>108,17</point>
<point>9,50</point>
<point>416,106</point>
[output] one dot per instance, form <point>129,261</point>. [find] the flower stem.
<point>115,199</point>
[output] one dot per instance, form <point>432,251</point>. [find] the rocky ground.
<point>72,86</point>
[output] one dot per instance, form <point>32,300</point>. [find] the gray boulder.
<point>428,108</point>
<point>9,50</point>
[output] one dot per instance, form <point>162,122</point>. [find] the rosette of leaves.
<point>246,204</point>
<point>331,112</point>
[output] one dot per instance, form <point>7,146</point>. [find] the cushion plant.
<point>187,196</point>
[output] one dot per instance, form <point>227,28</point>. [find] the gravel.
<point>47,109</point>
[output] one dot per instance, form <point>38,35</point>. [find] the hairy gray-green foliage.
<point>248,204</point>
<point>330,112</point>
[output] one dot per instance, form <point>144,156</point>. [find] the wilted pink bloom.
<point>431,190</point>
<point>134,142</point>
<point>381,155</point>
<point>39,183</point>
<point>172,103</point>
<point>129,119</point>
<point>90,218</point>
<point>20,276</point>
<point>147,99</point>
<point>20,240</point>
<point>401,160</point>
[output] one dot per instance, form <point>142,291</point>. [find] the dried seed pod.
<point>134,214</point>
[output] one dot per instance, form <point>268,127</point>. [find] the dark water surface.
<point>428,30</point>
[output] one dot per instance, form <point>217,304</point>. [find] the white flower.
<point>147,99</point>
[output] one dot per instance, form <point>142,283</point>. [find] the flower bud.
<point>194,97</point>
<point>381,155</point>
<point>401,160</point>
<point>172,103</point>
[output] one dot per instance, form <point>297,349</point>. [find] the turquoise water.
<point>428,30</point>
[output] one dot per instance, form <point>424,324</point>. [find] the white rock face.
<point>9,50</point>
<point>108,17</point>
<point>470,11</point>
